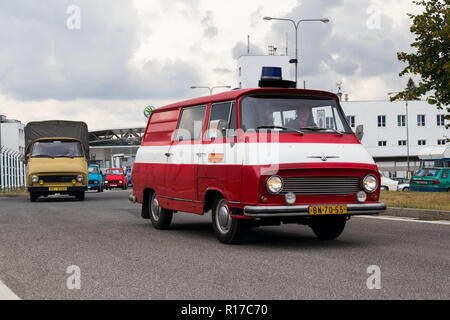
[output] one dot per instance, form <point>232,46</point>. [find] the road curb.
<point>423,214</point>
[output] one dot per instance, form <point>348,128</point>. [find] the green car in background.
<point>431,179</point>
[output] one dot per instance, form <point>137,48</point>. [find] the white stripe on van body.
<point>255,153</point>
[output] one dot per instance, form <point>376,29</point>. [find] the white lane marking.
<point>6,293</point>
<point>441,222</point>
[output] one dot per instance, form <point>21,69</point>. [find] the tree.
<point>431,59</point>
<point>411,88</point>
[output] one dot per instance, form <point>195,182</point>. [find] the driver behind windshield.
<point>304,118</point>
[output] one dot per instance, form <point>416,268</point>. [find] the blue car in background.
<point>96,180</point>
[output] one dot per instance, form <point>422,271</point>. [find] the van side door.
<point>221,160</point>
<point>182,158</point>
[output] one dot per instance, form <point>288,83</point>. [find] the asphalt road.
<point>121,256</point>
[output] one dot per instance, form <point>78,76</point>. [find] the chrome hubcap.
<point>223,219</point>
<point>155,208</point>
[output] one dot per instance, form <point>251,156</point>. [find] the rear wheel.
<point>161,218</point>
<point>33,196</point>
<point>328,228</point>
<point>227,229</point>
<point>384,188</point>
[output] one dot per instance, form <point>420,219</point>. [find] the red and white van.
<point>255,157</point>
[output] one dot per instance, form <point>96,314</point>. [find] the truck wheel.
<point>80,196</point>
<point>328,228</point>
<point>161,218</point>
<point>227,229</point>
<point>33,196</point>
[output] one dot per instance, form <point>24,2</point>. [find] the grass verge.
<point>418,200</point>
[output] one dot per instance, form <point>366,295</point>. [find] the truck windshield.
<point>93,170</point>
<point>308,114</point>
<point>427,173</point>
<point>56,149</point>
<point>112,171</point>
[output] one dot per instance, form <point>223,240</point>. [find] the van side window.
<point>223,116</point>
<point>191,123</point>
<point>444,174</point>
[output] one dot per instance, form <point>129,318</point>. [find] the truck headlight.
<point>370,183</point>
<point>80,178</point>
<point>34,179</point>
<point>274,184</point>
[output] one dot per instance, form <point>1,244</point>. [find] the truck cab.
<point>56,165</point>
<point>96,181</point>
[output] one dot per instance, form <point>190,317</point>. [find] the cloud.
<point>42,59</point>
<point>210,31</point>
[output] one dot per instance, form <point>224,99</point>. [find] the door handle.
<point>168,154</point>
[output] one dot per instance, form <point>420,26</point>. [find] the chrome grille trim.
<point>321,185</point>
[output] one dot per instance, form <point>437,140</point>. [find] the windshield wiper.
<point>314,128</point>
<point>282,128</point>
<point>41,156</point>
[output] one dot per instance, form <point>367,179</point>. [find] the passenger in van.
<point>304,119</point>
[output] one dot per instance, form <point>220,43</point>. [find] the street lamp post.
<point>296,25</point>
<point>407,132</point>
<point>209,88</point>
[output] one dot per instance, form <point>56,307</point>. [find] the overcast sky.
<point>123,55</point>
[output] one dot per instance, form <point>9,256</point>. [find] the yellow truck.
<point>56,158</point>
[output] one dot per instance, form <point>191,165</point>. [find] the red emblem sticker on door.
<point>215,157</point>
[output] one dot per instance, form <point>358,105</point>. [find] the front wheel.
<point>161,218</point>
<point>33,196</point>
<point>384,188</point>
<point>227,229</point>
<point>328,228</point>
<point>80,196</point>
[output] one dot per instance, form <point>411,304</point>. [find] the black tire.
<point>227,229</point>
<point>405,189</point>
<point>33,196</point>
<point>328,228</point>
<point>80,196</point>
<point>161,218</point>
<point>384,188</point>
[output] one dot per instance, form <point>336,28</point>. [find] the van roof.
<point>234,94</point>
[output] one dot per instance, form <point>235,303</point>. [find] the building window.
<point>329,122</point>
<point>240,71</point>
<point>441,142</point>
<point>401,120</point>
<point>382,121</point>
<point>440,120</point>
<point>402,142</point>
<point>382,143</point>
<point>421,120</point>
<point>351,121</point>
<point>422,142</point>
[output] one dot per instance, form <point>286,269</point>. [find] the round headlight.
<point>80,178</point>
<point>370,183</point>
<point>274,184</point>
<point>34,179</point>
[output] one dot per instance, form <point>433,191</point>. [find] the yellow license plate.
<point>338,209</point>
<point>57,188</point>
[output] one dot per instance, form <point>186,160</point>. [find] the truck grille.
<point>57,178</point>
<point>321,185</point>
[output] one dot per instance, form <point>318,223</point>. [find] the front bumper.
<point>46,189</point>
<point>303,210</point>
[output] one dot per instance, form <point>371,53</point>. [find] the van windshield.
<point>114,171</point>
<point>427,173</point>
<point>93,170</point>
<point>56,149</point>
<point>308,114</point>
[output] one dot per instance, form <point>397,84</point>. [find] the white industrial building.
<point>12,135</point>
<point>385,123</point>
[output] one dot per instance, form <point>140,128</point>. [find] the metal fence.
<point>12,170</point>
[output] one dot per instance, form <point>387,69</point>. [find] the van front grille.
<point>57,178</point>
<point>321,185</point>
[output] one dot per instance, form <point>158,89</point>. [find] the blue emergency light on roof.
<point>271,77</point>
<point>274,73</point>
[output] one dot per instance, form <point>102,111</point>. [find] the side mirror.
<point>359,132</point>
<point>222,126</point>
